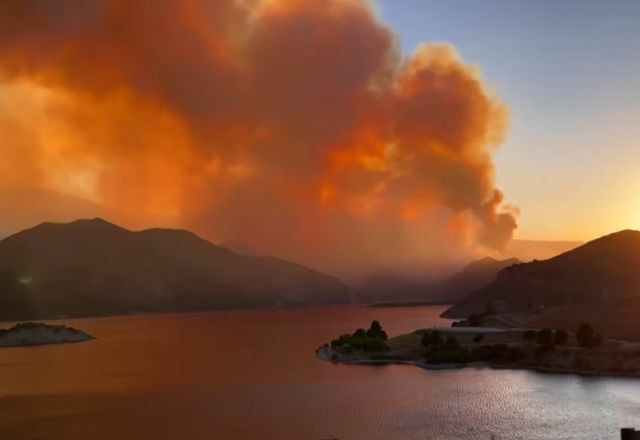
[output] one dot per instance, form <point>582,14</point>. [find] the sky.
<point>347,135</point>
<point>569,72</point>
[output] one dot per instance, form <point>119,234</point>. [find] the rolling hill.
<point>596,282</point>
<point>93,267</point>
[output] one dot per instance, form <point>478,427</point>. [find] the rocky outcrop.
<point>34,333</point>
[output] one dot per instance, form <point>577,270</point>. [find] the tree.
<point>360,333</point>
<point>436,338</point>
<point>561,337</point>
<point>585,334</point>
<point>545,338</point>
<point>595,341</point>
<point>375,331</point>
<point>431,338</point>
<point>342,340</point>
<point>451,343</point>
<point>478,338</point>
<point>529,336</point>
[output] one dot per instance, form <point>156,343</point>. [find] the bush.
<point>371,340</point>
<point>478,338</point>
<point>440,355</point>
<point>587,337</point>
<point>341,341</point>
<point>431,339</point>
<point>375,331</point>
<point>596,341</point>
<point>498,353</point>
<point>542,350</point>
<point>360,333</point>
<point>584,334</point>
<point>529,336</point>
<point>369,344</point>
<point>436,337</point>
<point>451,343</point>
<point>561,337</point>
<point>545,338</point>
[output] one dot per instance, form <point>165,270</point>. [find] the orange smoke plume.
<point>292,126</point>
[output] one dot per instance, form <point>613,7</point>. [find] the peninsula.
<point>547,350</point>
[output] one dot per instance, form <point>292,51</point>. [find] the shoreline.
<point>487,347</point>
<point>321,354</point>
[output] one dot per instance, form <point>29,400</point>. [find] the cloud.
<point>294,126</point>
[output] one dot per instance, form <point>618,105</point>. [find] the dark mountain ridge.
<point>603,271</point>
<point>93,267</point>
<point>474,276</point>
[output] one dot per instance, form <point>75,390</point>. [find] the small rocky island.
<point>546,350</point>
<point>36,333</point>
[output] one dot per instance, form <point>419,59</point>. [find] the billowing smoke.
<point>294,127</point>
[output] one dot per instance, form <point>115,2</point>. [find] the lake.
<point>254,375</point>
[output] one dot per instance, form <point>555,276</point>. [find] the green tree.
<point>560,337</point>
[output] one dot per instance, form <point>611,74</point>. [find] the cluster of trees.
<point>443,350</point>
<point>585,335</point>
<point>371,340</point>
<point>588,337</point>
<point>546,337</point>
<point>434,339</point>
<point>449,350</point>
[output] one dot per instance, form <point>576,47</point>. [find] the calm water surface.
<point>254,375</point>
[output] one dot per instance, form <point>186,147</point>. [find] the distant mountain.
<point>390,288</point>
<point>602,273</point>
<point>93,267</point>
<point>394,288</point>
<point>474,276</point>
<point>528,250</point>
